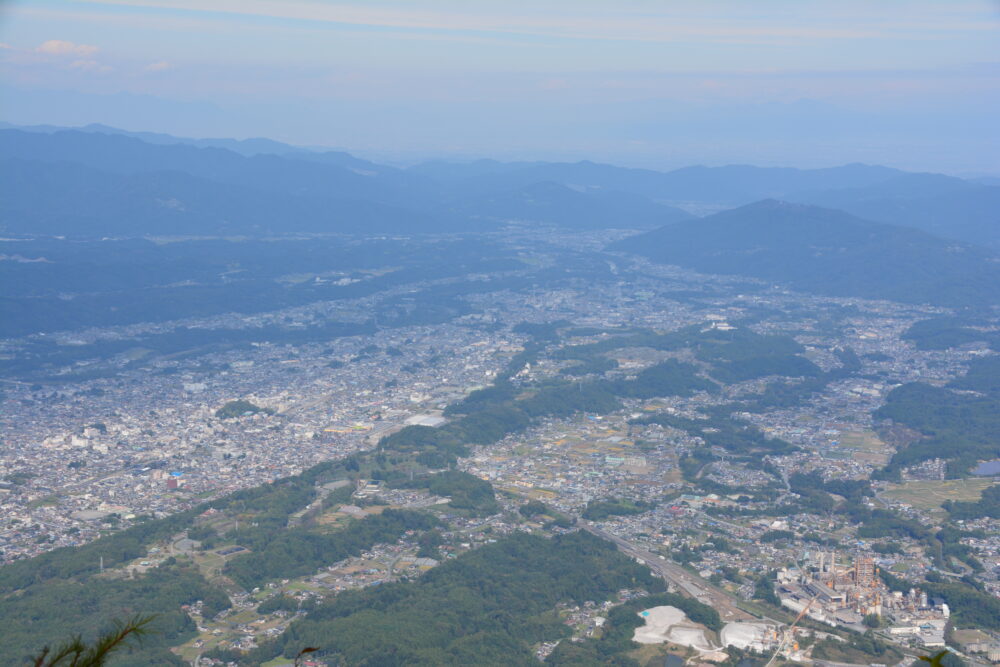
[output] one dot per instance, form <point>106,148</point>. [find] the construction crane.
<point>791,629</point>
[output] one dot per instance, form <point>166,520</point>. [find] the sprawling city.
<point>426,333</point>
<point>750,489</point>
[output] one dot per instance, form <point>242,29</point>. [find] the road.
<point>692,585</point>
<point>708,518</point>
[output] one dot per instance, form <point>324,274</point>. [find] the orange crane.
<point>781,644</point>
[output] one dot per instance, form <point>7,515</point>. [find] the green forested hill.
<point>827,252</point>
<point>959,426</point>
<point>52,612</point>
<point>485,608</point>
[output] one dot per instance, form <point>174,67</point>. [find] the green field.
<point>866,447</point>
<point>930,494</point>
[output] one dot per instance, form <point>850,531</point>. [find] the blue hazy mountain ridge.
<point>102,181</point>
<point>826,252</point>
<point>93,184</point>
<point>732,185</point>
<point>247,147</point>
<point>71,199</point>
<point>126,155</point>
<point>558,204</point>
<point>361,166</point>
<point>942,205</point>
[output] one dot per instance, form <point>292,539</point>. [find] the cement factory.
<point>839,593</point>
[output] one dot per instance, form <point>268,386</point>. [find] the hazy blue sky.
<point>911,83</point>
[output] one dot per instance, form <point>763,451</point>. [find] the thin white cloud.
<point>632,21</point>
<point>89,66</point>
<point>160,66</point>
<point>59,47</point>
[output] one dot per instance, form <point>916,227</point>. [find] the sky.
<point>656,83</point>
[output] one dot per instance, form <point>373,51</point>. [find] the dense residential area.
<point>424,333</point>
<point>734,451</point>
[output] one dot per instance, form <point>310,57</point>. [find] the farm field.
<point>930,494</point>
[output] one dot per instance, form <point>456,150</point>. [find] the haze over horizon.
<point>290,375</point>
<point>908,85</point>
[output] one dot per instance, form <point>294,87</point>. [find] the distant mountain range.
<point>942,205</point>
<point>315,190</point>
<point>95,184</point>
<point>729,186</point>
<point>75,200</point>
<point>827,252</point>
<point>247,147</point>
<point>99,181</point>
<point>569,207</point>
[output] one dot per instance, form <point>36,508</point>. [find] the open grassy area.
<point>209,563</point>
<point>929,494</point>
<point>654,654</point>
<point>867,441</point>
<point>137,353</point>
<point>277,662</point>
<point>45,501</point>
<point>333,519</point>
<point>867,446</point>
<point>299,586</point>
